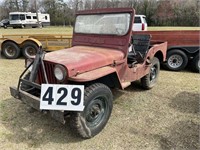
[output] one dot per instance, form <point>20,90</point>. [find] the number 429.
<point>62,97</point>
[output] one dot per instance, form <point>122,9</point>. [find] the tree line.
<point>157,12</point>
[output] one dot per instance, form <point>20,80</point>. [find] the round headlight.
<point>60,72</point>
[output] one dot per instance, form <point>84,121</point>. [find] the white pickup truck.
<point>140,23</point>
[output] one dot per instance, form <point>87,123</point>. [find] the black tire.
<point>29,49</point>
<point>195,65</point>
<point>98,101</point>
<point>10,50</point>
<point>5,26</point>
<point>150,80</point>
<point>176,60</point>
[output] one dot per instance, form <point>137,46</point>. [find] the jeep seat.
<point>140,46</point>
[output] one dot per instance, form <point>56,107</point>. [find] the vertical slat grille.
<point>49,67</point>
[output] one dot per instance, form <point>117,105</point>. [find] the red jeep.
<point>77,82</point>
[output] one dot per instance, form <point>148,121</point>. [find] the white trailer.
<point>28,19</point>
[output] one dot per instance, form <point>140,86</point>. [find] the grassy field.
<point>47,30</point>
<point>172,28</point>
<point>163,118</point>
<point>69,30</point>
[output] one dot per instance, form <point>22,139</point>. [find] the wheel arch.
<point>160,56</point>
<point>32,40</point>
<point>9,40</point>
<point>184,50</point>
<point>106,75</point>
<point>21,42</point>
<point>110,80</point>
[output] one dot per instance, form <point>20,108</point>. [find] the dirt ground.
<point>164,118</point>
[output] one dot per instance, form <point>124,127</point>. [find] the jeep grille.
<point>49,67</point>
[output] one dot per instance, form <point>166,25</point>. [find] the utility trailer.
<point>76,83</point>
<point>12,46</point>
<point>182,50</point>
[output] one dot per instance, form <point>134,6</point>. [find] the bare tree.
<point>158,12</point>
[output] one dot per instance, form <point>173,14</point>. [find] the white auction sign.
<point>62,97</point>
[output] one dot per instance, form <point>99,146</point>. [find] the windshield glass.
<point>17,17</point>
<point>14,17</point>
<point>115,24</point>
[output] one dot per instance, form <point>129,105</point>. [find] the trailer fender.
<point>37,42</point>
<point>30,48</point>
<point>20,41</point>
<point>186,49</point>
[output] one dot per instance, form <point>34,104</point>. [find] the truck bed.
<point>175,38</point>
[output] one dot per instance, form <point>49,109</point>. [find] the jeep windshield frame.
<point>106,24</point>
<point>107,40</point>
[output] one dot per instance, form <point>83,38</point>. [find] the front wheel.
<point>176,60</point>
<point>98,101</point>
<point>150,79</point>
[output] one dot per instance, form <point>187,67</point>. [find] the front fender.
<point>93,75</point>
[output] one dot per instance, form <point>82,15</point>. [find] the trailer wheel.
<point>176,60</point>
<point>195,65</point>
<point>150,80</point>
<point>98,101</point>
<point>29,49</point>
<point>11,50</point>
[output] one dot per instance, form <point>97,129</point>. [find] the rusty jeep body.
<point>104,55</point>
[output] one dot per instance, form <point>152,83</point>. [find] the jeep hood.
<point>81,59</point>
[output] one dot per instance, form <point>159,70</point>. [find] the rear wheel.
<point>98,101</point>
<point>195,65</point>
<point>29,49</point>
<point>150,79</point>
<point>176,60</point>
<point>11,50</point>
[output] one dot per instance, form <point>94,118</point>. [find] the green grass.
<point>69,30</point>
<point>165,117</point>
<point>159,28</point>
<point>46,30</point>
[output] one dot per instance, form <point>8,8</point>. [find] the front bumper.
<point>34,102</point>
